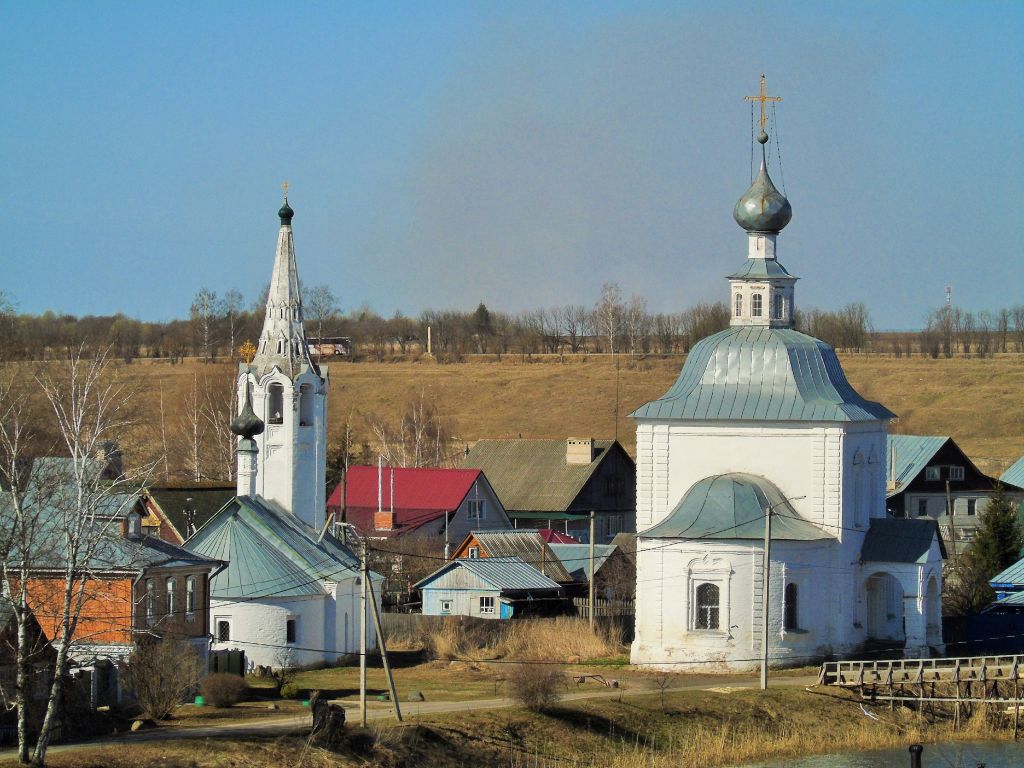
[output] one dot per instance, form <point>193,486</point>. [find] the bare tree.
<point>192,430</point>
<point>218,405</point>
<point>608,313</point>
<point>420,438</point>
<point>204,314</point>
<point>637,323</point>
<point>231,305</point>
<point>320,304</point>
<point>89,407</point>
<point>574,320</point>
<point>161,673</point>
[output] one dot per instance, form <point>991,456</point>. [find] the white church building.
<point>290,594</point>
<point>761,424</point>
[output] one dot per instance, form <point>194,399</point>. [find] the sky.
<point>520,154</point>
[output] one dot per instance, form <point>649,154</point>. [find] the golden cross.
<point>763,99</point>
<point>285,188</point>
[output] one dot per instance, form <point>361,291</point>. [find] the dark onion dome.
<point>762,208</point>
<point>286,213</point>
<point>247,424</point>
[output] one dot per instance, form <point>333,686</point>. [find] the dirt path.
<point>277,726</point>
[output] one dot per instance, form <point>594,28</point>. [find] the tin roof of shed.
<point>510,574</point>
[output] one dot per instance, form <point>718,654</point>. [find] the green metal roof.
<point>532,475</point>
<point>733,506</point>
<point>508,574</point>
<point>1010,578</point>
<point>761,269</point>
<point>270,552</point>
<point>576,558</point>
<point>913,452</point>
<point>900,540</point>
<point>753,373</point>
<point>1015,474</point>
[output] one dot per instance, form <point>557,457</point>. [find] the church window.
<point>170,586</point>
<point>792,607</point>
<point>275,407</point>
<point>755,305</point>
<point>706,616</point>
<point>190,594</point>
<point>223,631</point>
<point>306,405</point>
<point>739,304</point>
<point>777,306</point>
<point>289,631</point>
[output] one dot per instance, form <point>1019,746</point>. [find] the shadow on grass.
<point>596,724</point>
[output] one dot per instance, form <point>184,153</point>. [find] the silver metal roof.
<point>525,544</point>
<point>504,573</point>
<point>761,269</point>
<point>733,506</point>
<point>755,373</point>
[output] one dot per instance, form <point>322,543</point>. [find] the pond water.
<point>949,755</point>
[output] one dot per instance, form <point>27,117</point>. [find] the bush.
<point>161,673</point>
<point>291,691</point>
<point>223,689</point>
<point>537,686</point>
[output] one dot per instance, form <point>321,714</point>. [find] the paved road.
<point>277,726</point>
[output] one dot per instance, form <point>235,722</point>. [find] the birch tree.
<point>608,313</point>
<point>204,314</point>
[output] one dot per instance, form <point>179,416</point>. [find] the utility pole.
<point>363,573</point>
<point>765,582</point>
<point>591,570</point>
<point>384,656</point>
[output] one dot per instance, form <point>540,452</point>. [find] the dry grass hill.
<point>976,401</point>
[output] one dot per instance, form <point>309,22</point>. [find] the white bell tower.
<point>289,394</point>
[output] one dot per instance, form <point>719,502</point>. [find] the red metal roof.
<point>421,495</point>
<point>552,536</point>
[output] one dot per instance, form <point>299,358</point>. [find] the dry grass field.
<point>976,401</point>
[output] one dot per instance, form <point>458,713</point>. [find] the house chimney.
<point>384,520</point>
<point>579,451</point>
<point>890,484</point>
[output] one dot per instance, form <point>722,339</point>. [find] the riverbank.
<point>703,728</point>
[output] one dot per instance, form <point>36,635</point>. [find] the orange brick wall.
<point>106,615</point>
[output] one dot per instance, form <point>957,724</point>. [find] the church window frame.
<point>738,304</point>
<point>306,415</point>
<point>791,607</point>
<point>223,627</point>
<point>778,307</point>
<point>291,630</point>
<point>756,304</point>
<point>275,403</point>
<point>709,569</point>
<point>707,607</point>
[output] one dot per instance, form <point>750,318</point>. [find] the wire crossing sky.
<point>443,154</point>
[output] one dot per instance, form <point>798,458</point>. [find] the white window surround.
<point>709,570</point>
<point>487,605</point>
<point>446,606</point>
<point>222,629</point>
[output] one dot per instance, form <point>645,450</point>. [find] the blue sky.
<point>441,154</point>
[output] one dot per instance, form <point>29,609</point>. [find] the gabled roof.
<point>1011,578</point>
<point>527,545</point>
<point>422,494</point>
<point>1015,474</point>
<point>576,558</point>
<point>508,574</point>
<point>206,500</point>
<point>270,552</point>
<point>551,536</point>
<point>755,373</point>
<point>900,540</point>
<point>532,475</point>
<point>913,452</point>
<point>733,506</point>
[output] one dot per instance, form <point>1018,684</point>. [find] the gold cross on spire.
<point>285,188</point>
<point>764,100</point>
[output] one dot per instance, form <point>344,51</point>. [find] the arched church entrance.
<point>885,608</point>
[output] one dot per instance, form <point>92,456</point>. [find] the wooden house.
<point>557,483</point>
<point>491,588</point>
<point>175,512</point>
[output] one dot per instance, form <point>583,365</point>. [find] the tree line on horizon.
<point>217,325</point>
